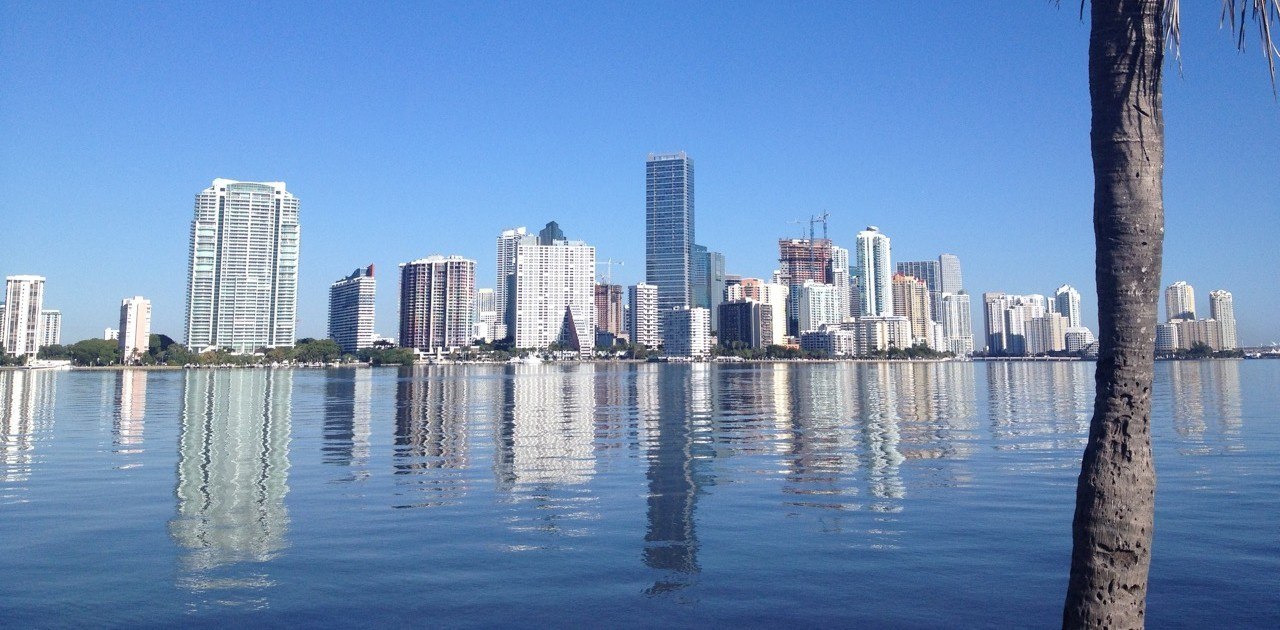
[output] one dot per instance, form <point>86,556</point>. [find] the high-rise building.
<point>503,296</point>
<point>686,332</point>
<point>911,300</point>
<point>351,310</point>
<point>486,316</point>
<point>135,328</point>
<point>609,313</point>
<point>746,322</point>
<point>930,273</point>
<point>550,234</point>
<point>707,279</point>
<point>643,314</point>
<point>24,301</point>
<point>1200,331</point>
<point>874,333</point>
<point>950,279</point>
<point>840,277</point>
<point>242,284</point>
<point>1047,333</point>
<point>874,273</point>
<point>801,260</point>
<point>819,305</point>
<point>1066,300</point>
<point>994,305</point>
<point>669,234</point>
<point>1166,338</point>
<point>555,294</point>
<point>957,328</point>
<point>50,329</point>
<point>1222,310</point>
<point>437,302</point>
<point>1179,301</point>
<point>1007,317</point>
<point>111,334</point>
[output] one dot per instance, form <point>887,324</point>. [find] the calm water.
<point>631,495</point>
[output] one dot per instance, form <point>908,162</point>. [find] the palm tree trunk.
<point>1115,497</point>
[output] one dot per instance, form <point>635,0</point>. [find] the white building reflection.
<point>545,434</point>
<point>26,410</point>
<point>131,411</point>
<point>233,465</point>
<point>1036,405</point>
<point>878,398</point>
<point>1205,405</point>
<point>348,410</point>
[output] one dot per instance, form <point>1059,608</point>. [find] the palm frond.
<point>1266,13</point>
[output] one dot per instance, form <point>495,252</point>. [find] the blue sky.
<point>409,129</point>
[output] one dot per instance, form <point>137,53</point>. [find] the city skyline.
<point>970,167</point>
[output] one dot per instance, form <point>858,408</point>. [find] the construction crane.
<point>608,268</point>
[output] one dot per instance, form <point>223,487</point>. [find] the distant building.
<point>1179,301</point>
<point>555,294</point>
<point>351,310</point>
<point>437,302</point>
<point>242,283</point>
<point>51,329</point>
<point>929,272</point>
<point>1222,310</point>
<point>819,304</point>
<point>840,278</point>
<point>911,300</point>
<point>486,316</point>
<point>22,319</point>
<point>1079,339</point>
<point>135,328</point>
<point>1045,334</point>
<point>950,279</point>
<point>1007,317</point>
<point>643,314</point>
<point>609,314</point>
<point>874,273</point>
<point>686,332</point>
<point>1066,300</point>
<point>707,279</point>
<point>503,295</point>
<point>830,340</point>
<point>802,260</point>
<point>1199,331</point>
<point>1167,338</point>
<point>956,325</point>
<point>669,234</point>
<point>110,334</point>
<point>747,322</point>
<point>874,333</point>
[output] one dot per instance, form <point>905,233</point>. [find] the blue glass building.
<point>668,246</point>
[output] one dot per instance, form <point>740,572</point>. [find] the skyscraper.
<point>609,311</point>
<point>504,299</point>
<point>669,231</point>
<point>351,310</point>
<point>930,273</point>
<point>51,328</point>
<point>135,328</point>
<point>956,324</point>
<point>242,284</point>
<point>687,332</point>
<point>437,302</point>
<point>911,300</point>
<point>555,294</point>
<point>486,316</point>
<point>1179,301</point>
<point>1221,309</point>
<point>839,276</point>
<point>1066,300</point>
<point>819,304</point>
<point>874,273</point>
<point>643,323</point>
<point>950,279</point>
<point>24,300</point>
<point>707,279</point>
<point>802,260</point>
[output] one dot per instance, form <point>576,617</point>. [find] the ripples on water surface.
<point>931,494</point>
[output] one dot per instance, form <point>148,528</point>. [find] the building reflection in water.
<point>130,411</point>
<point>26,411</point>
<point>545,435</point>
<point>878,399</point>
<point>233,465</point>
<point>1039,405</point>
<point>1197,390</point>
<point>348,409</point>
<point>676,449</point>
<point>433,404</point>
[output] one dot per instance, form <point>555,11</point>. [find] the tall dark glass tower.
<point>669,228</point>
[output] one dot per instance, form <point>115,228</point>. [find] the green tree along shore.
<point>163,350</point>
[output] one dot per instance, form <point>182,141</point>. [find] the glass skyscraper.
<point>242,283</point>
<point>669,229</point>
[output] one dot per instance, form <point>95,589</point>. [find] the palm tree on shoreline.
<point>1115,495</point>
